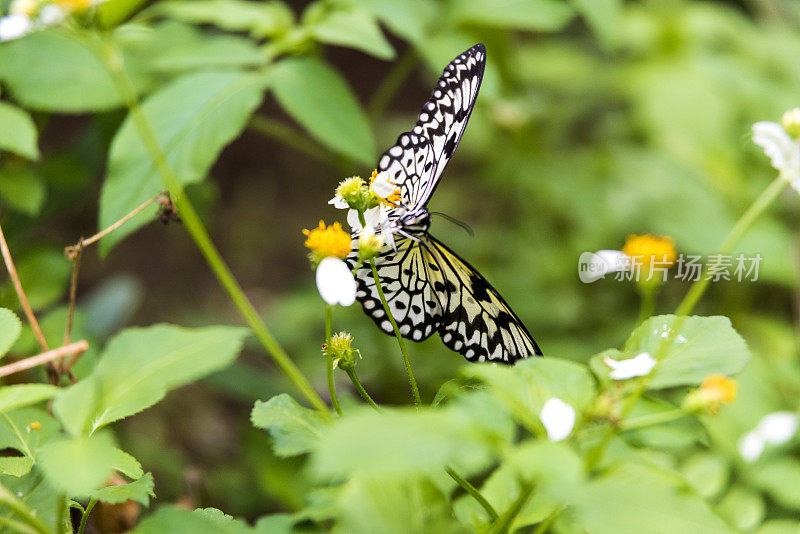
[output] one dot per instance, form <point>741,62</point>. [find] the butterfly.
<point>428,287</point>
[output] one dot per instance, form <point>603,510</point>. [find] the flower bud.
<point>341,350</point>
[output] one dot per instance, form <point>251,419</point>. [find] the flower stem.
<point>329,358</point>
<point>503,523</point>
<point>85,516</point>
<point>113,62</point>
<point>11,502</point>
<point>653,419</point>
<point>648,305</point>
<point>473,491</point>
<point>400,340</point>
<point>361,391</point>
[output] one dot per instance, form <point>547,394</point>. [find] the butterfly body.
<point>428,287</point>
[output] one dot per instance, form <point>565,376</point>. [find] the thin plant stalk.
<point>329,359</point>
<point>25,514</point>
<point>473,491</point>
<point>112,59</point>
<point>45,357</point>
<point>85,516</point>
<point>361,391</point>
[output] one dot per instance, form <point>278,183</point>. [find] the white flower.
<point>558,418</point>
<point>751,445</point>
<point>335,282</point>
<point>383,186</point>
<point>641,365</point>
<point>339,203</point>
<point>773,429</point>
<point>782,150</point>
<point>51,15</point>
<point>14,26</point>
<point>377,217</point>
<point>593,266</point>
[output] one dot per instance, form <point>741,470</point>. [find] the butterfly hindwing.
<point>407,283</point>
<point>476,322</point>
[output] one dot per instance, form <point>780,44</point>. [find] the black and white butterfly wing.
<point>431,289</point>
<point>419,157</point>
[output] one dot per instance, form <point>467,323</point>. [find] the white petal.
<point>558,418</point>
<point>339,203</point>
<point>52,14</point>
<point>352,220</point>
<point>751,445</point>
<point>638,366</point>
<point>14,27</point>
<point>383,186</point>
<point>778,427</point>
<point>782,150</point>
<point>335,282</point>
<point>593,266</point>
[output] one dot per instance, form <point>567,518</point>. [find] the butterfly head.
<point>415,222</point>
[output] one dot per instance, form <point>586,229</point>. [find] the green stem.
<point>85,516</point>
<point>25,514</point>
<point>653,419</point>
<point>688,303</point>
<point>329,359</point>
<point>361,391</point>
<point>16,526</point>
<point>60,513</point>
<point>738,231</point>
<point>113,62</point>
<point>648,305</point>
<point>401,70</point>
<point>503,523</point>
<point>473,491</point>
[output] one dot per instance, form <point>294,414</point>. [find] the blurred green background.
<point>597,119</point>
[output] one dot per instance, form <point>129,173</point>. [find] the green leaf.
<point>704,346</point>
<point>779,478</point>
<point>112,12</point>
<point>193,119</point>
<point>603,17</point>
<point>533,15</point>
<point>18,132</point>
<point>707,474</point>
<point>632,496</point>
<point>180,521</point>
<point>524,388</point>
<point>349,26</point>
<point>127,465</point>
<point>51,70</point>
<point>19,395</point>
<point>10,327</point>
<point>26,429</point>
<point>78,466</point>
<point>780,526</point>
<point>35,491</point>
<point>43,273</point>
<point>294,429</point>
<point>138,367</point>
<point>140,490</point>
<point>409,19</point>
<point>319,99</point>
<point>394,506</point>
<point>16,466</point>
<point>261,19</point>
<point>402,442</point>
<point>742,508</point>
<point>22,189</point>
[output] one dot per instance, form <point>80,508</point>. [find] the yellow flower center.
<point>328,241</point>
<point>393,200</point>
<point>647,249</point>
<point>720,388</point>
<point>74,5</point>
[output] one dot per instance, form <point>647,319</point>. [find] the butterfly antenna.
<point>455,221</point>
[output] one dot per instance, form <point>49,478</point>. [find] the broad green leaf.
<point>707,474</point>
<point>294,429</point>
<point>18,132</point>
<point>400,442</point>
<point>742,508</point>
<point>779,526</point>
<point>26,429</point>
<point>140,490</point>
<point>15,465</point>
<point>20,395</point>
<point>78,466</point>
<point>193,119</point>
<point>409,19</point>
<point>44,273</point>
<point>352,27</point>
<point>10,327</point>
<point>779,478</point>
<point>138,367</point>
<point>22,189</point>
<point>603,16</point>
<point>275,524</point>
<point>704,346</point>
<point>112,12</point>
<point>127,465</point>
<point>261,19</point>
<point>676,435</point>
<point>50,70</point>
<point>524,388</point>
<point>394,506</point>
<point>632,496</point>
<point>35,491</point>
<point>180,521</point>
<point>319,99</point>
<point>534,15</point>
